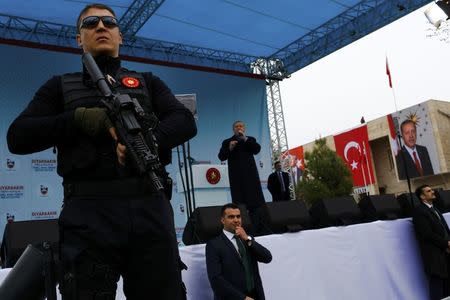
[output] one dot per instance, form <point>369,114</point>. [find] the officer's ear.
<point>79,42</point>
<point>121,37</point>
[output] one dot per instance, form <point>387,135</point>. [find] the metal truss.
<point>186,54</point>
<point>276,119</point>
<point>358,21</point>
<point>137,14</point>
<point>277,127</point>
<point>24,29</point>
<point>47,33</point>
<point>275,71</point>
<point>354,23</point>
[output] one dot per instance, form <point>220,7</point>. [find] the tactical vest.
<point>95,158</point>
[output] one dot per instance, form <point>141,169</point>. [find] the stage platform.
<point>378,260</point>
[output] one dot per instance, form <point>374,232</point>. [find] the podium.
<point>211,184</point>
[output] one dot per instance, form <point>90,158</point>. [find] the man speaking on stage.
<point>243,174</point>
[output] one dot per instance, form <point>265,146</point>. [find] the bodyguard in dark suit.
<point>433,235</point>
<point>416,157</point>
<point>278,184</point>
<point>232,260</point>
<point>245,185</point>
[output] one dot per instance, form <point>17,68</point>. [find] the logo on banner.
<point>44,190</point>
<point>10,163</point>
<point>213,175</point>
<point>43,165</point>
<point>50,214</point>
<point>11,191</point>
<point>9,218</point>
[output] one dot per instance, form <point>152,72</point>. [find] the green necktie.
<point>248,272</point>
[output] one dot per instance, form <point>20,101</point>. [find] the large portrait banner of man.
<point>417,155</point>
<point>296,161</point>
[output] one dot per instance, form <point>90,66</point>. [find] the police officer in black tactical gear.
<point>113,222</point>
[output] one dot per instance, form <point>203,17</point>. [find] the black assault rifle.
<point>133,125</point>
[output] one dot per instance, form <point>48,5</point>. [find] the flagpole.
<point>364,177</point>
<point>399,136</point>
<point>367,163</point>
<point>362,170</point>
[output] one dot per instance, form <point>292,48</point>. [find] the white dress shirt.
<point>231,236</point>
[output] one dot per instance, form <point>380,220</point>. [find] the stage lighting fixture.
<point>438,12</point>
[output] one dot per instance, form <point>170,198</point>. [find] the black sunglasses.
<point>92,22</point>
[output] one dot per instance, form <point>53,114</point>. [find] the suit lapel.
<point>437,219</point>
<point>442,220</point>
<point>231,247</point>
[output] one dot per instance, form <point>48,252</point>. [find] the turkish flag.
<point>353,147</point>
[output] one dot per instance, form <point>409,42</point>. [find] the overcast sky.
<point>332,94</point>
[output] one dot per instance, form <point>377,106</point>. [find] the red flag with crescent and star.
<point>353,147</point>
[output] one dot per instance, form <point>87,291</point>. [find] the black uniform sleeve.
<point>177,124</point>
<point>43,124</point>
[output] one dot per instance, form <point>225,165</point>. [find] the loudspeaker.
<point>205,224</point>
<point>385,207</point>
<point>368,211</point>
<point>407,208</point>
<point>342,210</point>
<point>319,215</point>
<point>288,216</point>
<point>19,234</point>
<point>442,201</point>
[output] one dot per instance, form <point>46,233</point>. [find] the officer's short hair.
<point>419,190</point>
<point>227,206</point>
<point>88,7</point>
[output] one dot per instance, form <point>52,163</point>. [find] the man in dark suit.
<point>433,235</point>
<point>232,260</point>
<point>278,184</point>
<point>245,185</point>
<point>416,157</point>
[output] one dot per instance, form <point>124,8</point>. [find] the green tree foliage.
<point>325,175</point>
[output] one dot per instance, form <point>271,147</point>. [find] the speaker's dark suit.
<point>432,234</point>
<point>274,186</point>
<point>424,158</point>
<point>226,271</point>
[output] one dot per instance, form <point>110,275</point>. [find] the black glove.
<point>93,121</point>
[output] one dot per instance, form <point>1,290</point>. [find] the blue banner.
<point>29,186</point>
